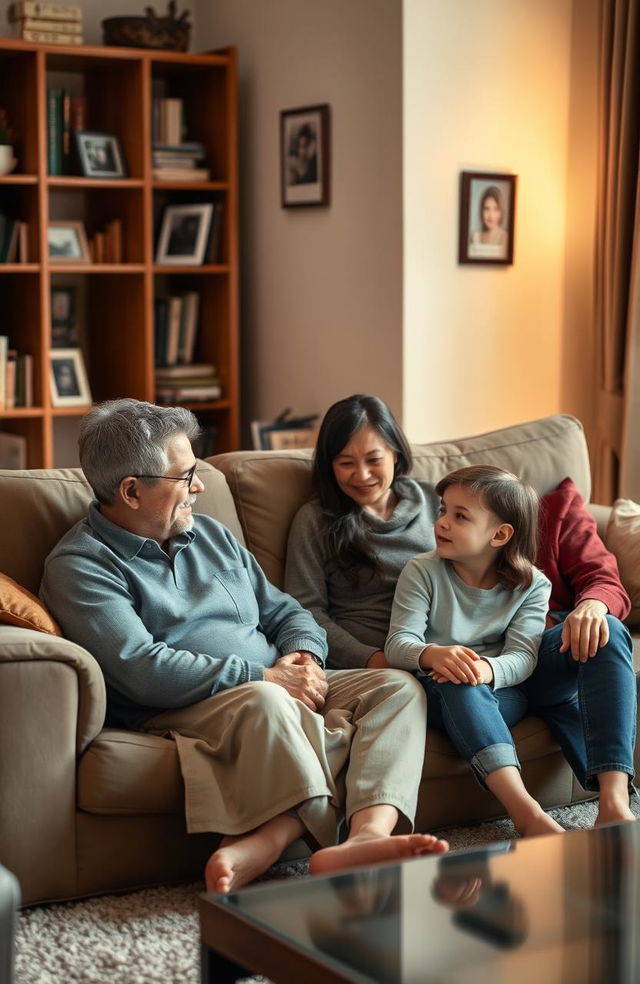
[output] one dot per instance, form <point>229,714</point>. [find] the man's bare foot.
<point>364,849</point>
<point>613,809</point>
<point>537,823</point>
<point>239,860</point>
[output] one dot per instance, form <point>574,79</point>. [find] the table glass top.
<point>561,908</point>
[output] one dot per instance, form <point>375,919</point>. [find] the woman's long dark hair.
<point>348,538</point>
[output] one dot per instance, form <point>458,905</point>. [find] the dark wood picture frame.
<point>305,156</point>
<point>487,217</point>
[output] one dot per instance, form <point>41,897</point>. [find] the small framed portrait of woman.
<point>487,217</point>
<point>304,156</point>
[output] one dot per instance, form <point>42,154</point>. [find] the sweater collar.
<point>127,544</point>
<point>409,505</point>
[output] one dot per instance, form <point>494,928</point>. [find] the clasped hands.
<point>455,664</point>
<point>301,677</point>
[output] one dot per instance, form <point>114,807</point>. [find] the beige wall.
<point>321,287</point>
<point>486,87</point>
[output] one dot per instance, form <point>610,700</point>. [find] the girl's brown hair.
<point>514,502</point>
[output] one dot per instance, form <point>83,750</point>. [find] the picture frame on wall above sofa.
<point>487,217</point>
<point>304,156</point>
<point>67,242</point>
<point>184,234</point>
<point>100,155</point>
<point>69,383</point>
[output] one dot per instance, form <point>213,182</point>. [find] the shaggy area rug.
<point>152,936</point>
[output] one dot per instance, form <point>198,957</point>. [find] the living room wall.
<point>498,86</point>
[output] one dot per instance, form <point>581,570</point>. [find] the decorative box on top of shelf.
<point>119,285</point>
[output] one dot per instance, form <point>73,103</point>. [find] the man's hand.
<point>301,677</point>
<point>455,664</point>
<point>585,630</point>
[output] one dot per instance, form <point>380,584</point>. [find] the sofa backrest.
<point>40,505</point>
<point>269,487</point>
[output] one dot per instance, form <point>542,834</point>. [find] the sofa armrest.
<point>601,515</point>
<point>52,705</point>
<point>35,652</point>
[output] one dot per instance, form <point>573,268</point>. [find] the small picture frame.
<point>100,155</point>
<point>304,156</point>
<point>67,242</point>
<point>184,234</point>
<point>64,322</point>
<point>69,383</point>
<point>487,217</point>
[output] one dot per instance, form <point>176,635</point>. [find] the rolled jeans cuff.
<point>493,757</point>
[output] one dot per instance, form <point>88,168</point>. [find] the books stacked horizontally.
<point>51,23</point>
<point>16,377</point>
<point>173,157</point>
<point>195,383</point>
<point>14,246</point>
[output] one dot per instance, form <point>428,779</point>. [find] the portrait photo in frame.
<point>100,155</point>
<point>304,156</point>
<point>64,317</point>
<point>487,217</point>
<point>67,242</point>
<point>69,383</point>
<point>184,234</point>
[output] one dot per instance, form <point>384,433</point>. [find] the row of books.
<point>175,328</point>
<point>179,162</point>
<point>106,246</point>
<point>14,244</point>
<point>195,383</point>
<point>168,120</point>
<point>16,377</point>
<point>66,114</point>
<point>51,23</point>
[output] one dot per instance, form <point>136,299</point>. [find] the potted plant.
<point>7,136</point>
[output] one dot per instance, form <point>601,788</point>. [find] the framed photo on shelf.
<point>64,323</point>
<point>487,217</point>
<point>184,234</point>
<point>67,242</point>
<point>100,155</point>
<point>69,383</point>
<point>304,156</point>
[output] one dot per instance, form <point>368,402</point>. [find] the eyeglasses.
<point>187,479</point>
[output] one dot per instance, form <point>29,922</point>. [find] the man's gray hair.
<point>128,437</point>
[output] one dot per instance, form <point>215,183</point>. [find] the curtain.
<point>617,299</point>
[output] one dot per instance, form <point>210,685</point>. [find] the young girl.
<point>469,617</point>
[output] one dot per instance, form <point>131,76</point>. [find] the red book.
<point>78,113</point>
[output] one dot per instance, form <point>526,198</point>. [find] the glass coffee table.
<point>563,909</point>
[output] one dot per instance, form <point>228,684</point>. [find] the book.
<point>51,37</point>
<point>189,326</point>
<point>78,113</point>
<point>23,242</point>
<point>196,370</point>
<point>181,173</point>
<point>50,11</point>
<point>214,246</point>
<point>4,350</point>
<point>54,130</point>
<point>39,24</point>
<point>171,113</point>
<point>10,380</point>
<point>9,249</point>
<point>173,330</point>
<point>160,310</point>
<point>13,450</point>
<point>187,393</point>
<point>24,378</point>
<point>65,135</point>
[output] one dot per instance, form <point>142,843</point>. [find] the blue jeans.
<point>590,708</point>
<point>477,720</point>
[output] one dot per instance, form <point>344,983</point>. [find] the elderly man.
<point>196,644</point>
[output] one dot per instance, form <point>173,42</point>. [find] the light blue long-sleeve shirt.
<point>170,629</point>
<point>433,606</point>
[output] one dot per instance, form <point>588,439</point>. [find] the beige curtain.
<point>617,458</point>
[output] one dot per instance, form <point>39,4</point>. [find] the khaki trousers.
<point>253,752</point>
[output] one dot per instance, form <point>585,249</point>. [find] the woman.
<point>368,518</point>
<point>348,545</point>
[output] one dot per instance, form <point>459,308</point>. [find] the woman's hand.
<point>453,664</point>
<point>585,630</point>
<point>377,661</point>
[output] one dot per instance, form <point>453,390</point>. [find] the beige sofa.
<point>86,809</point>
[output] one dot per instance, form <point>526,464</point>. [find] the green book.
<point>55,99</point>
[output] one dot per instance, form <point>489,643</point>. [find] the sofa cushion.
<point>20,607</point>
<point>128,773</point>
<point>623,539</point>
<point>47,502</point>
<point>270,486</point>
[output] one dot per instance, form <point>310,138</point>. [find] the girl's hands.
<point>453,664</point>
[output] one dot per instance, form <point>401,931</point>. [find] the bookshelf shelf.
<point>115,302</point>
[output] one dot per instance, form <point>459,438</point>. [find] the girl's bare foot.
<point>611,810</point>
<point>365,848</point>
<point>537,823</point>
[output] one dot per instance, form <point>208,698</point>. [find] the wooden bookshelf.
<point>117,299</point>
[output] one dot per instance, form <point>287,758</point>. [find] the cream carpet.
<point>151,937</point>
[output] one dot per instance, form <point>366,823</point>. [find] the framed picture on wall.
<point>487,217</point>
<point>304,156</point>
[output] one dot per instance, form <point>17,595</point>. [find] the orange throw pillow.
<point>19,607</point>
